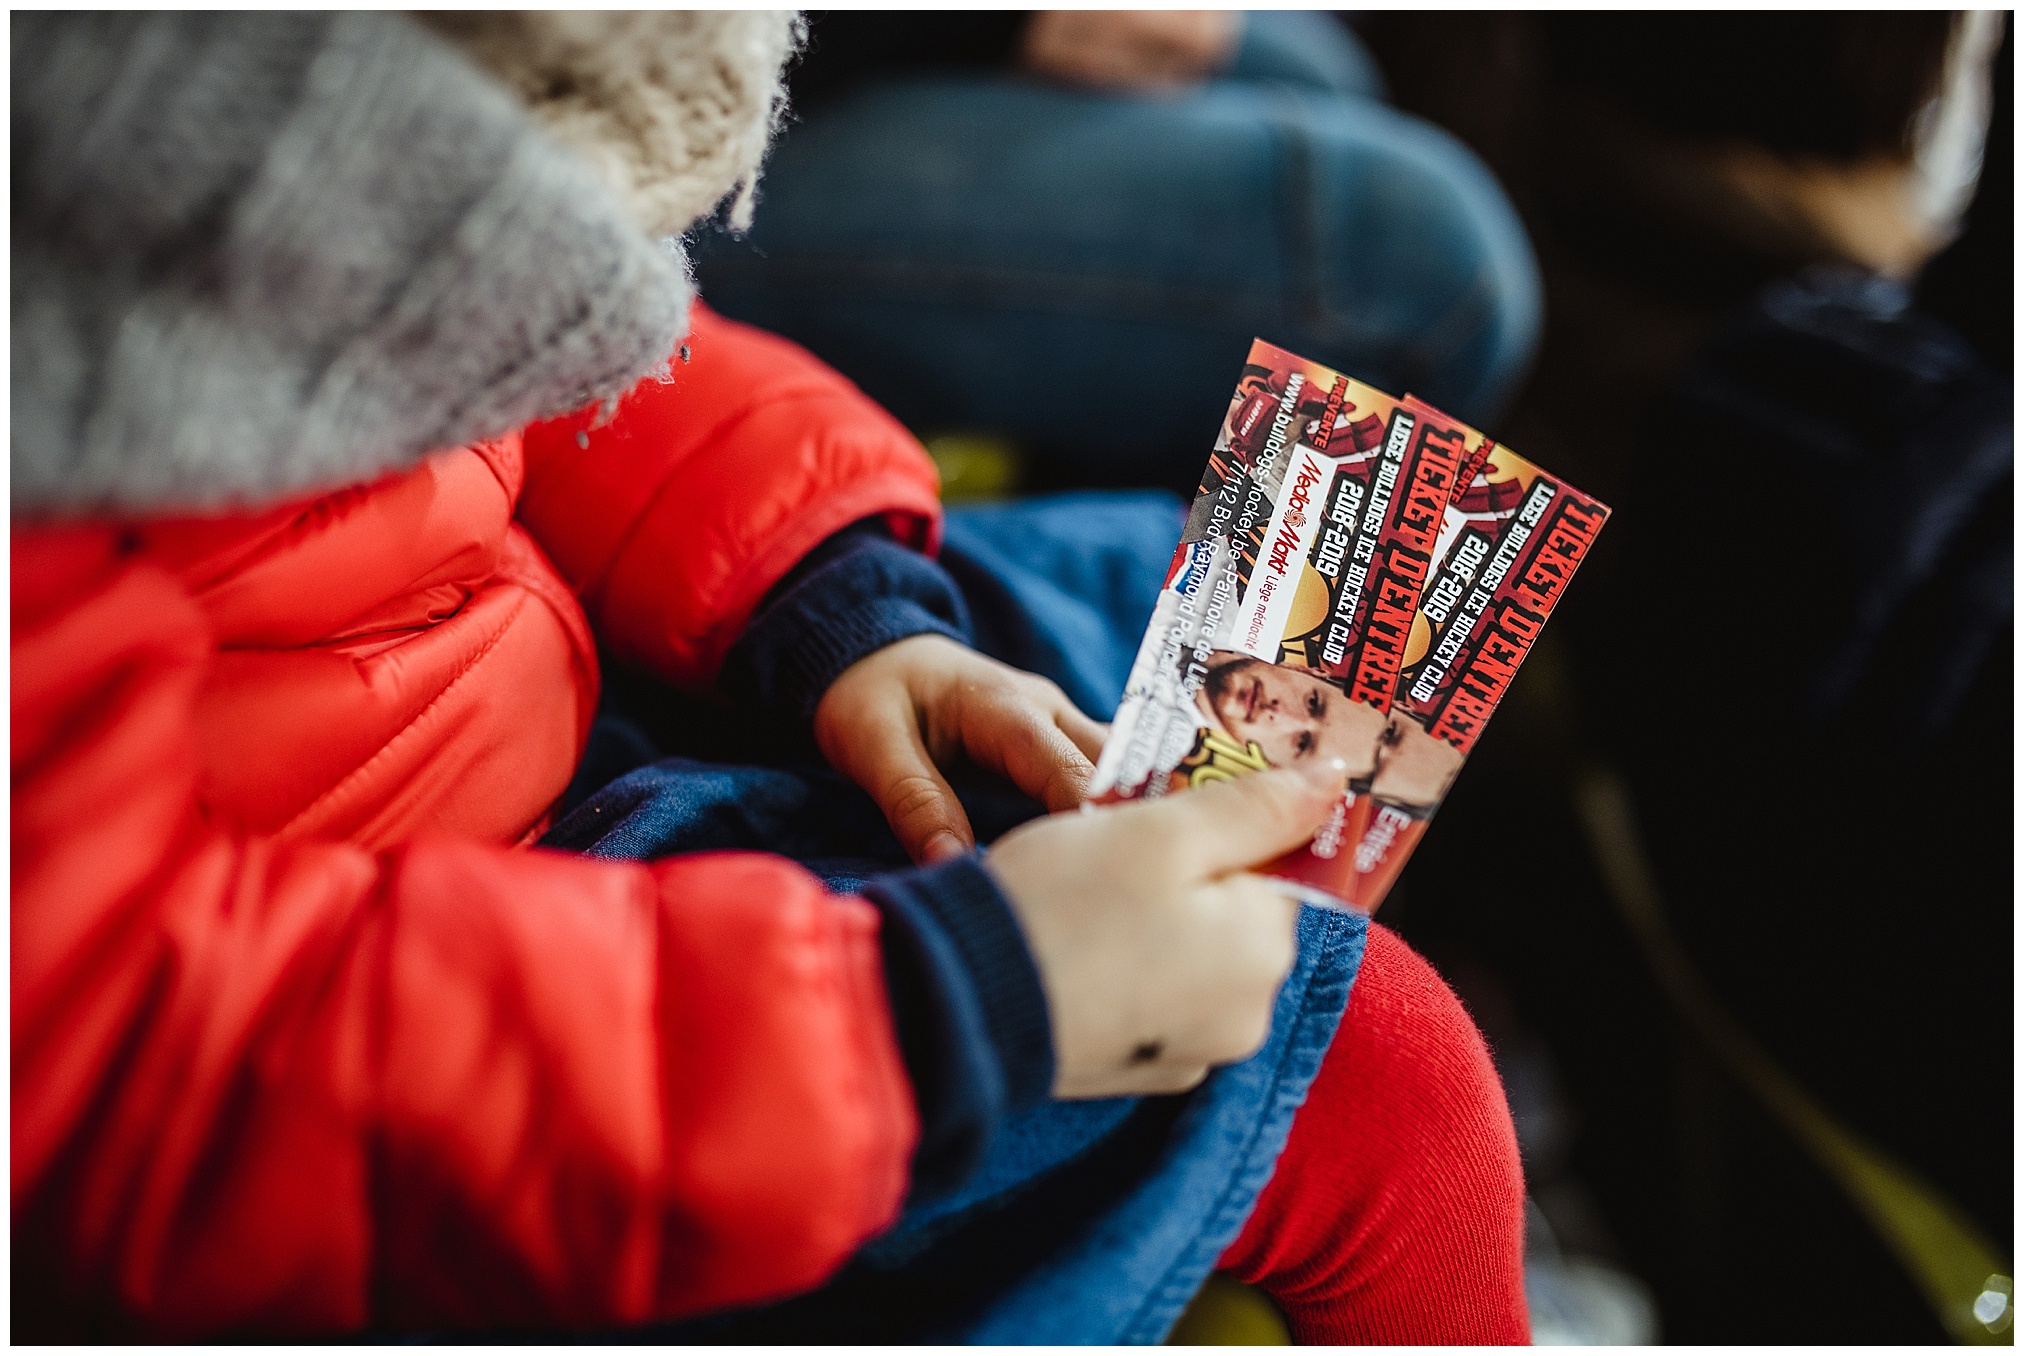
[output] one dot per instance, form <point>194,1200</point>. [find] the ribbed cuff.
<point>827,643</point>
<point>970,1012</point>
<point>856,593</point>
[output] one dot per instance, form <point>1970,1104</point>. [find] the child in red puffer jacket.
<point>305,644</point>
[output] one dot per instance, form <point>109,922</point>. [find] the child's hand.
<point>889,719</point>
<point>1161,956</point>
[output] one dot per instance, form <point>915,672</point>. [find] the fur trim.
<point>674,109</point>
<point>257,255</point>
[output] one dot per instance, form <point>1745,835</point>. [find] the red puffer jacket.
<point>301,1040</point>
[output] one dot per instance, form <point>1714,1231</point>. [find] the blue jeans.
<point>1085,271</point>
<point>1088,1221</point>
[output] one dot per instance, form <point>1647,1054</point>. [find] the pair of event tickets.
<point>1359,578</point>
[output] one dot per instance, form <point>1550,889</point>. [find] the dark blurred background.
<point>1738,841</point>
<point>1794,644</point>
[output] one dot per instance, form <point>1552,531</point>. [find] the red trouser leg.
<point>1396,1214</point>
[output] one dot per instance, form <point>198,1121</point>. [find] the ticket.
<point>1293,612</point>
<point>1290,599</point>
<point>1510,540</point>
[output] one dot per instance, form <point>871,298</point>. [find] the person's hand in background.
<point>894,719</point>
<point>1160,953</point>
<point>1129,49</point>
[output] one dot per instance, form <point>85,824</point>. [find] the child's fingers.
<point>1243,822</point>
<point>1086,734</point>
<point>1010,735</point>
<point>883,753</point>
<point>1153,1080</point>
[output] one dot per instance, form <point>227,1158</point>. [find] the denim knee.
<point>987,252</point>
<point>1428,259</point>
<point>1498,338</point>
<point>1306,47</point>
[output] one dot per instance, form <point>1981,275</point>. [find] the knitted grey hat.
<point>260,254</point>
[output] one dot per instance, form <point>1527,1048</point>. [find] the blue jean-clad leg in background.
<point>1305,47</point>
<point>1085,271</point>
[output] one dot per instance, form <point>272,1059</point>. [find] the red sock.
<point>1396,1214</point>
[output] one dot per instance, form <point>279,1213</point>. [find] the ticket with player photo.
<point>1290,599</point>
<point>1510,541</point>
<point>1292,605</point>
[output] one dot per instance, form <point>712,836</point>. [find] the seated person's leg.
<point>1085,272</point>
<point>1305,47</point>
<point>1396,1213</point>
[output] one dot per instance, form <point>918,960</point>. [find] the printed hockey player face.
<point>1413,767</point>
<point>1291,715</point>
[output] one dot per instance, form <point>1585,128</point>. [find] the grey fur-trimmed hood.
<point>256,255</point>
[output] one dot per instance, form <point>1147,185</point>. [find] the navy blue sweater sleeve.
<point>969,1010</point>
<point>967,1004</point>
<point>857,592</point>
